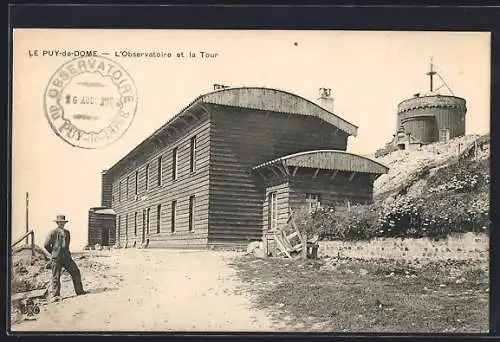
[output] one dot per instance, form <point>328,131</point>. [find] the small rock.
<point>253,246</point>
<point>363,272</point>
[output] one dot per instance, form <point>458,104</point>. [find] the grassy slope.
<point>359,296</point>
<point>345,295</point>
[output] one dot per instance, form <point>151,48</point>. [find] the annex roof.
<point>329,160</point>
<point>105,211</point>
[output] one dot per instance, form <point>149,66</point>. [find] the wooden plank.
<point>316,173</point>
<point>283,249</point>
<point>38,293</point>
<point>352,176</point>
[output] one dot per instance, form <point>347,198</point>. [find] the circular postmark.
<point>90,102</point>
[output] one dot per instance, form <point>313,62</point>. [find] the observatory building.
<point>428,117</point>
<point>230,167</point>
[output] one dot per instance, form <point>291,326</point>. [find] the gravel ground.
<point>153,290</point>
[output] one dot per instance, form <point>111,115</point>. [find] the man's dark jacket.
<point>57,243</point>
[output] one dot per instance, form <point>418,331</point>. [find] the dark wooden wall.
<point>242,139</point>
<point>186,185</point>
<point>106,190</point>
<point>96,224</point>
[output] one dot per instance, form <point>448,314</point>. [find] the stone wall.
<point>466,246</point>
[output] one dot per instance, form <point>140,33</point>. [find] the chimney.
<point>325,99</point>
<point>220,86</point>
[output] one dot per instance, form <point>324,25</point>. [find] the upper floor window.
<point>136,182</point>
<point>120,191</point>
<point>127,186</point>
<point>159,169</point>
<point>174,163</point>
<point>192,155</point>
<point>147,177</point>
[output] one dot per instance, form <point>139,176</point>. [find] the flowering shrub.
<point>357,223</point>
<point>406,217</point>
<point>468,183</point>
<point>463,177</point>
<point>456,201</point>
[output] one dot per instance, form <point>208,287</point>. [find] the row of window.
<point>146,213</point>
<point>159,169</point>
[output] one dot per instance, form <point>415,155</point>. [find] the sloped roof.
<point>259,98</point>
<point>275,100</point>
<point>329,160</point>
<point>105,211</point>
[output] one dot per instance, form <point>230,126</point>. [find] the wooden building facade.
<point>102,227</point>
<point>206,177</point>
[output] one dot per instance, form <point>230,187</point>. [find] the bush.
<point>467,176</point>
<point>357,223</point>
<point>434,217</point>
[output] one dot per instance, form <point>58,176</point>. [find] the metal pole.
<point>27,217</point>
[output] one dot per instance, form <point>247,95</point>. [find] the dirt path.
<point>153,290</point>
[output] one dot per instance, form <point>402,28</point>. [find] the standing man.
<point>57,244</point>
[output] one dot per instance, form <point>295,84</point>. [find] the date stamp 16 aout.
<point>90,102</point>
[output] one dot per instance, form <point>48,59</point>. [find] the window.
<point>147,176</point>
<point>147,220</point>
<point>136,182</point>
<point>120,191</point>
<point>159,171</point>
<point>158,218</point>
<point>173,218</point>
<point>126,227</point>
<point>444,135</point>
<point>126,187</point>
<point>174,163</point>
<point>119,218</point>
<point>313,201</point>
<point>192,167</point>
<point>191,212</point>
<point>273,210</point>
<point>135,224</point>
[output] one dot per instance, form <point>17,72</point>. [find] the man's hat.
<point>61,218</point>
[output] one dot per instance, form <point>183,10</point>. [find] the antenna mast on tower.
<point>431,74</point>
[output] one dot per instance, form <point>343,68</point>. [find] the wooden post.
<point>27,217</point>
<point>32,244</point>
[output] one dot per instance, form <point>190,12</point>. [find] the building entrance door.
<point>105,236</point>
<point>273,211</point>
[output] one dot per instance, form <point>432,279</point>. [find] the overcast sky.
<point>369,74</point>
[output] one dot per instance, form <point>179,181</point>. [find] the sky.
<point>369,73</point>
